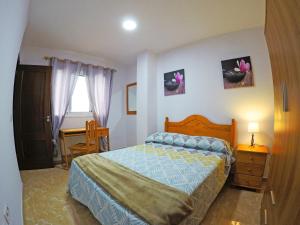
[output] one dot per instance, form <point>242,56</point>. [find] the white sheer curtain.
<point>64,77</point>
<point>99,82</point>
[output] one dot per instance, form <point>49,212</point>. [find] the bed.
<point>198,172</point>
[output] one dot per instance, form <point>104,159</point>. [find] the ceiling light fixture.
<point>129,24</point>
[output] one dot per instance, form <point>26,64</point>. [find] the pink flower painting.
<point>237,72</point>
<point>174,82</point>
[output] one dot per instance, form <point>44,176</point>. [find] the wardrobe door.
<point>281,202</point>
<point>32,120</point>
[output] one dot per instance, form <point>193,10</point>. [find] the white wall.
<point>35,56</point>
<point>117,118</point>
<point>146,92</point>
<point>131,119</point>
<point>13,19</point>
<point>205,93</point>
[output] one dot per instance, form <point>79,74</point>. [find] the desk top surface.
<point>77,130</point>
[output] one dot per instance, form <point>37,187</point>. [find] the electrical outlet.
<point>6,215</point>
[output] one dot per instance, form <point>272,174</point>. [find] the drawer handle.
<point>266,216</point>
<point>272,197</point>
<point>249,170</point>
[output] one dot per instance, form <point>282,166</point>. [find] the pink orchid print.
<point>178,77</point>
<point>242,66</point>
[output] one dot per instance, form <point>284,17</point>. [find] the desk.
<point>63,133</point>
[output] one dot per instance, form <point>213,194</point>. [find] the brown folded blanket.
<point>154,202</point>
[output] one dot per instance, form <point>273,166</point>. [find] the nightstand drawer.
<point>249,169</point>
<point>251,157</point>
<point>248,181</point>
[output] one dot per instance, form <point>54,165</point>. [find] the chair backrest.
<point>91,133</point>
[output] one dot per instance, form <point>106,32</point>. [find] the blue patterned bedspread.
<point>201,174</point>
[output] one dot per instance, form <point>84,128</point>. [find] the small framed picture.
<point>237,72</point>
<point>174,82</point>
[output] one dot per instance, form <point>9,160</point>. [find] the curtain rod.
<point>51,57</point>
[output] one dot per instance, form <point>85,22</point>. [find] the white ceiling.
<point>94,26</point>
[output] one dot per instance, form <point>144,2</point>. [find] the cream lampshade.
<point>253,127</point>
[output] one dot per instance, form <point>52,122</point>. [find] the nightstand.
<point>249,166</point>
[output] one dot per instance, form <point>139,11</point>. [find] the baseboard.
<point>58,162</point>
<point>22,202</point>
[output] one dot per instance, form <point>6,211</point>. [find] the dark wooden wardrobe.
<point>32,120</point>
<point>281,201</point>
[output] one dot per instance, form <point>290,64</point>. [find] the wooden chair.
<point>91,144</point>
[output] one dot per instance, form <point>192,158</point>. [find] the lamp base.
<point>252,140</point>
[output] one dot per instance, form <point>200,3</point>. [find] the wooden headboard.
<point>197,125</point>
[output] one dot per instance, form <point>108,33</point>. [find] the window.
<point>80,100</point>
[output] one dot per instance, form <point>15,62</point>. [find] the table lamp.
<point>253,127</point>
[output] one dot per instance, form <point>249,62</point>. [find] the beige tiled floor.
<point>46,202</point>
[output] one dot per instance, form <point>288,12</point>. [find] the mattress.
<point>200,174</point>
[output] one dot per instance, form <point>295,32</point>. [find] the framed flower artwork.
<point>237,72</point>
<point>174,82</point>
